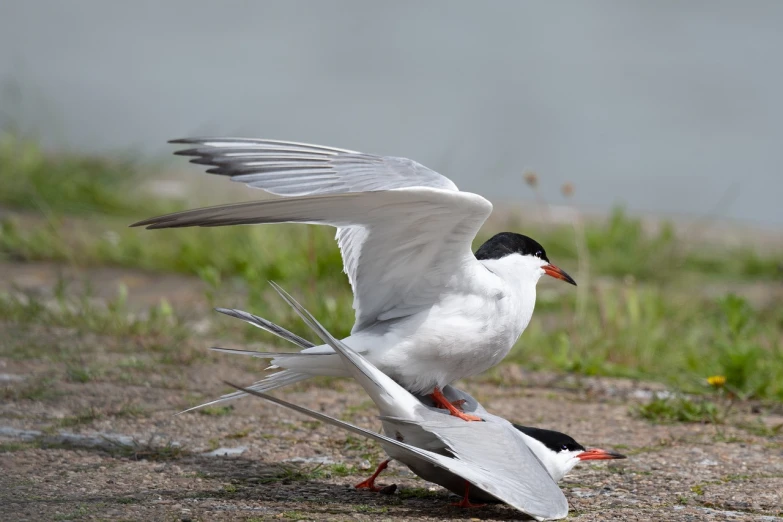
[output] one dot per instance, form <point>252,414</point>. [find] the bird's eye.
<point>539,253</point>
<point>564,447</point>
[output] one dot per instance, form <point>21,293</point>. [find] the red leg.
<point>465,502</point>
<point>441,401</point>
<point>370,482</point>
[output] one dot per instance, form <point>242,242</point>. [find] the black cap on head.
<point>506,243</point>
<point>553,440</point>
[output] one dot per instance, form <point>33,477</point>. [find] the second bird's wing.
<point>491,450</point>
<point>403,229</point>
<point>482,477</point>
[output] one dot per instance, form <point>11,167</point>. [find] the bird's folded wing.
<point>391,398</point>
<point>495,447</point>
<point>489,446</point>
<point>402,228</point>
<point>501,486</point>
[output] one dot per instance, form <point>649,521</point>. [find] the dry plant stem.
<point>583,263</point>
<point>312,256</point>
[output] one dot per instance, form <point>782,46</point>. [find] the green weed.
<point>681,409</point>
<point>376,510</point>
<point>85,417</point>
<point>37,389</point>
<point>10,447</point>
<point>338,470</point>
<point>81,374</point>
<point>216,411</point>
<point>66,182</point>
<point>644,331</point>
<point>762,429</point>
<point>130,410</point>
<point>83,313</point>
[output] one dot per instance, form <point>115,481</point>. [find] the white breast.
<point>470,330</point>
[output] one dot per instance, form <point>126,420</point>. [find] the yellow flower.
<point>716,380</point>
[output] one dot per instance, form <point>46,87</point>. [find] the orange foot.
<point>442,402</point>
<point>370,482</point>
<point>465,502</point>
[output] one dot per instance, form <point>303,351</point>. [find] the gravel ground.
<point>108,447</point>
<point>675,472</point>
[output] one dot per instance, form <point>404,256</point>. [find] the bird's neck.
<point>517,285</point>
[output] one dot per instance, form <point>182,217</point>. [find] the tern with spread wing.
<point>428,310</point>
<point>485,461</point>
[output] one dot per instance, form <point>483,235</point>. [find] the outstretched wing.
<point>403,229</point>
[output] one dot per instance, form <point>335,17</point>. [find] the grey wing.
<point>269,326</point>
<point>494,453</point>
<point>397,259</point>
<point>493,446</point>
<point>390,398</point>
<point>288,168</point>
<point>501,486</point>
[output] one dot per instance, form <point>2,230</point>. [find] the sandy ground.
<point>112,449</point>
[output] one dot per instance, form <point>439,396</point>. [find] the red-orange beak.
<point>599,454</point>
<point>557,273</point>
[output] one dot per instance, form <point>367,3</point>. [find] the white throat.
<point>519,275</point>
<point>557,464</point>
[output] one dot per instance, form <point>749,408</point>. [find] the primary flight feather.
<point>428,310</point>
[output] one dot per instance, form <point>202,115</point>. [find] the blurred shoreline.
<point>201,189</point>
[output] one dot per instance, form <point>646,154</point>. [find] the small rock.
<point>222,452</point>
<point>388,490</point>
<point>311,460</point>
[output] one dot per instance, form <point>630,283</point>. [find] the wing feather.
<point>504,487</point>
<point>402,229</point>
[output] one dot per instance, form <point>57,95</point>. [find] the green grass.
<point>682,409</point>
<point>10,447</point>
<point>86,416</point>
<point>34,389</point>
<point>83,313</point>
<point>69,183</point>
<point>678,338</point>
<point>216,411</point>
<point>648,318</point>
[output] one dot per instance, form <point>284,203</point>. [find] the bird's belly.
<point>440,348</point>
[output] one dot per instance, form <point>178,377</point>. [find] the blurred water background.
<point>670,108</point>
